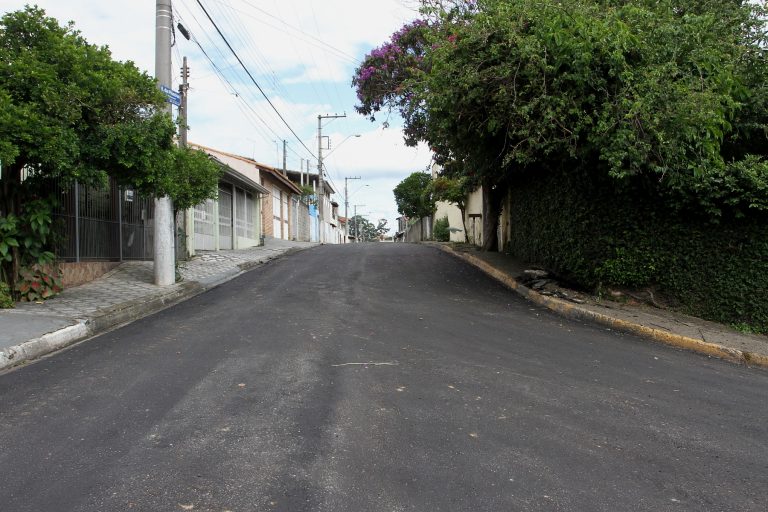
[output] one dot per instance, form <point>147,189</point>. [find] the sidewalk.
<point>124,294</point>
<point>659,325</point>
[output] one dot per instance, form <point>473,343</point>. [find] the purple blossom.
<point>367,73</point>
<point>407,28</point>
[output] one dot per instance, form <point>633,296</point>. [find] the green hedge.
<point>594,235</point>
<point>441,231</point>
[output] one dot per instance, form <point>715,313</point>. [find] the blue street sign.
<point>171,95</point>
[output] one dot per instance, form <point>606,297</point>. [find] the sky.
<point>302,53</point>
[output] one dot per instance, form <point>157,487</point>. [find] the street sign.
<point>171,95</point>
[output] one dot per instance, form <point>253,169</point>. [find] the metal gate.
<point>102,223</point>
<point>284,204</point>
<point>476,229</point>
<point>225,218</point>
<point>205,226</point>
<point>244,214</point>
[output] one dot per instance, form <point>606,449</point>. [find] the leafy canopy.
<point>71,111</point>
<point>413,196</point>
<point>670,92</point>
<point>68,110</point>
<point>363,229</point>
<point>190,177</point>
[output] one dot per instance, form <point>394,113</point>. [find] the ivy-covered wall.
<point>591,234</point>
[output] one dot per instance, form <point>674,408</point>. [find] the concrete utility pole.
<point>285,157</point>
<point>346,207</point>
<point>183,88</point>
<point>187,219</point>
<point>321,185</point>
<point>163,222</point>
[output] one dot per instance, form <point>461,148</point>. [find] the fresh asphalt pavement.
<point>252,397</point>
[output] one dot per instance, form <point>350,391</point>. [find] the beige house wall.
<point>475,216</point>
<point>450,210</point>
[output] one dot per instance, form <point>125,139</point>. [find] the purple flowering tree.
<point>387,80</point>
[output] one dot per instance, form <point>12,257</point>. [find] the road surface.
<point>378,377</point>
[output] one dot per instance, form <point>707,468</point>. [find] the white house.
<point>232,220</point>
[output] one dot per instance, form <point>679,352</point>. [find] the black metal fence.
<point>103,223</point>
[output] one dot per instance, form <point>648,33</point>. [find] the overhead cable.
<point>200,3</point>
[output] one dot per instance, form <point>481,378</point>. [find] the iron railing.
<point>107,222</point>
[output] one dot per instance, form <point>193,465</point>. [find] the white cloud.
<point>378,152</point>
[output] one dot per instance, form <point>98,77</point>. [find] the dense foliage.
<point>190,177</point>
<point>413,196</point>
<point>455,191</point>
<point>671,91</point>
<point>441,230</point>
<point>364,230</point>
<point>595,236</point>
<point>68,111</point>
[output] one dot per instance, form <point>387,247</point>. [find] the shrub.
<point>441,230</point>
<point>6,300</point>
<point>39,282</point>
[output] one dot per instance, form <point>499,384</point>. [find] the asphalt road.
<point>253,397</point>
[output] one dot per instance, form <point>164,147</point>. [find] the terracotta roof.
<point>276,173</point>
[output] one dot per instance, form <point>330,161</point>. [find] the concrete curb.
<point>120,314</point>
<point>37,347</point>
<point>575,312</point>
<point>100,322</point>
<point>134,309</point>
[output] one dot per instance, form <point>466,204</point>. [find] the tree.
<point>363,229</point>
<point>413,196</point>
<point>68,111</point>
<point>456,191</point>
<point>667,92</point>
<point>381,228</point>
<point>73,112</point>
<point>191,174</point>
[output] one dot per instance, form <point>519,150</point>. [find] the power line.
<point>317,28</point>
<point>303,35</point>
<point>225,81</point>
<point>247,42</point>
<point>340,53</point>
<point>230,21</point>
<point>199,2</point>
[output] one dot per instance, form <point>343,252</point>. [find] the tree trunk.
<point>492,197</point>
<point>463,210</point>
